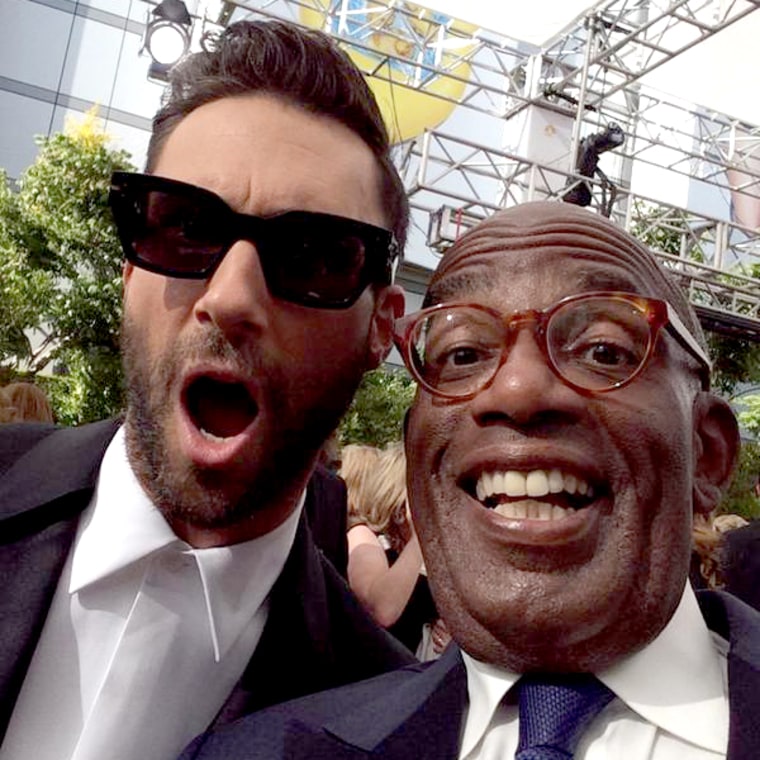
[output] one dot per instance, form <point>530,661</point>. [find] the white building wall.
<point>59,58</point>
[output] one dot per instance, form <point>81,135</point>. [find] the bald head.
<point>563,227</point>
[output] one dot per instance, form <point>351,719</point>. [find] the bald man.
<point>562,438</point>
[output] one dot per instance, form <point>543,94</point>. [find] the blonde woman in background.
<point>385,568</point>
<point>356,463</point>
<point>30,402</point>
<point>7,410</point>
<point>708,542</point>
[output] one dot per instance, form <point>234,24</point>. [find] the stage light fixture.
<point>167,36</point>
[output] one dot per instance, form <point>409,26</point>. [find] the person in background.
<point>159,574</point>
<point>708,562</point>
<point>357,463</point>
<point>727,556</point>
<point>31,402</point>
<point>8,412</point>
<point>329,455</point>
<point>385,568</point>
<point>562,440</point>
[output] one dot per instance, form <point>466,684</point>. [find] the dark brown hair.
<point>303,67</point>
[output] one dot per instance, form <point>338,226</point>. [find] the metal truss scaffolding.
<point>589,78</point>
<point>620,41</point>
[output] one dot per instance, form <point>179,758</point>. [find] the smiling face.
<point>555,526</point>
<point>232,392</point>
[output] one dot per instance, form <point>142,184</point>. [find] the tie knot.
<point>555,710</point>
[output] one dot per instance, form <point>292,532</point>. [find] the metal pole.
<point>590,25</point>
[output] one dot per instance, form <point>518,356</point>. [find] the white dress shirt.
<point>671,700</point>
<point>146,636</point>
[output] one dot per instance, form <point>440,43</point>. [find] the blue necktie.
<point>555,710</point>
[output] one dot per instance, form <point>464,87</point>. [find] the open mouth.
<point>218,408</point>
<point>534,495</point>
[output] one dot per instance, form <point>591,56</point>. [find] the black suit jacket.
<point>740,563</point>
<point>317,635</point>
<point>416,713</point>
<point>326,509</point>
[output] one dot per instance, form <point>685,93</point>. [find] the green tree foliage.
<point>749,416</point>
<point>652,225</point>
<point>22,288</point>
<point>60,274</point>
<point>740,498</point>
<point>736,362</point>
<point>376,415</point>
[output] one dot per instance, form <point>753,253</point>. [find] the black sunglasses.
<point>312,259</point>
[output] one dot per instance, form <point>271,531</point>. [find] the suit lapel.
<point>739,624</point>
<point>31,484</point>
<point>294,649</point>
<point>317,637</point>
<point>422,718</point>
<point>40,511</point>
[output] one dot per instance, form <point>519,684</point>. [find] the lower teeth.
<point>531,511</point>
<point>211,437</point>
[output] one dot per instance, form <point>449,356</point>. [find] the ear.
<point>389,306</point>
<point>126,272</point>
<point>716,449</point>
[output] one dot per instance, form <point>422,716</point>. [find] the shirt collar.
<point>237,579</point>
<point>677,682</point>
<point>122,527</point>
<point>121,524</point>
<point>486,687</point>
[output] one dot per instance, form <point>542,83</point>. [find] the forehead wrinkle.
<point>573,240</point>
<point>570,230</point>
<point>459,285</point>
<point>478,278</point>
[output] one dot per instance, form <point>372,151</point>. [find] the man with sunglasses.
<point>158,575</point>
<point>561,440</point>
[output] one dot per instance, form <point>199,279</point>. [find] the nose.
<point>236,298</point>
<point>525,391</point>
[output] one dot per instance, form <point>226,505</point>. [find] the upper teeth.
<point>534,483</point>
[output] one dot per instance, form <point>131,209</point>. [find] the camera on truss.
<point>587,165</point>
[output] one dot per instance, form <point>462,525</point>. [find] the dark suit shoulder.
<point>324,707</point>
<point>17,439</point>
<point>41,464</point>
<point>741,563</point>
<point>46,479</point>
<point>739,624</point>
<point>295,729</point>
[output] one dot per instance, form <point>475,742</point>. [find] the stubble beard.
<point>210,499</point>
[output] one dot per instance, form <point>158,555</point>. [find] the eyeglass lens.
<point>595,344</point>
